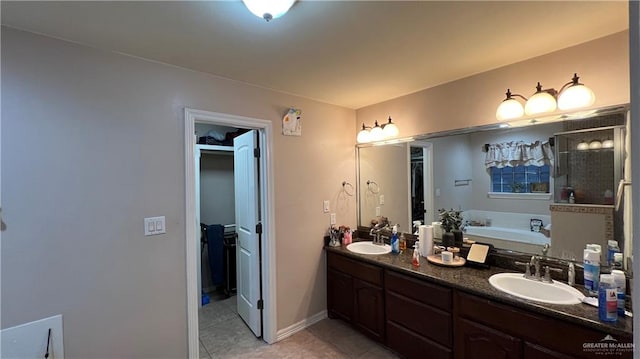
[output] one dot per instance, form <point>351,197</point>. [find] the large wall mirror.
<point>549,184</point>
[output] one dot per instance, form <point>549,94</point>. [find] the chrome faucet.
<point>527,271</point>
<point>547,274</point>
<point>545,249</point>
<point>375,233</point>
<point>535,262</point>
<point>571,274</point>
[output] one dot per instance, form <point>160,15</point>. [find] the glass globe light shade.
<point>376,133</point>
<point>595,145</point>
<point>390,130</point>
<point>540,102</point>
<point>607,144</point>
<point>509,109</point>
<point>582,146</point>
<point>576,96</point>
<point>363,136</point>
<point>268,9</point>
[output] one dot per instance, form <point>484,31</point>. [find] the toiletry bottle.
<point>607,299</point>
<point>395,245</point>
<point>612,248</point>
<point>617,261</point>
<point>591,271</point>
<point>347,237</point>
<point>416,255</point>
<point>572,198</point>
<point>403,243</point>
<point>621,289</point>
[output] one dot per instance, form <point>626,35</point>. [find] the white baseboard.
<point>294,328</point>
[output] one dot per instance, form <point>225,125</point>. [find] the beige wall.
<point>451,162</point>
<point>92,142</point>
<point>602,64</point>
<point>217,200</point>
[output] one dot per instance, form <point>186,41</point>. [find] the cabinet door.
<point>533,351</point>
<point>339,295</point>
<point>476,341</point>
<point>368,314</point>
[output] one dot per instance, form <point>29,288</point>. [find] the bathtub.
<point>527,237</point>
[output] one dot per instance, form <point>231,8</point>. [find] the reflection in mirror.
<point>532,189</point>
<point>421,182</point>
<point>383,184</point>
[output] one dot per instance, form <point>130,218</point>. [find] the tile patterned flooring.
<point>224,335</point>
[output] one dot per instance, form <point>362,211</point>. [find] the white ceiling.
<point>349,53</point>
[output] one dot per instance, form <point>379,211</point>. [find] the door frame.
<point>267,209</point>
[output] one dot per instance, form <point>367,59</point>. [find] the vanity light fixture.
<point>571,96</point>
<point>582,146</point>
<point>378,132</point>
<point>268,9</point>
<point>390,129</point>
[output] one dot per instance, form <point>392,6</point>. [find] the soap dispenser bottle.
<point>395,242</point>
<point>416,255</point>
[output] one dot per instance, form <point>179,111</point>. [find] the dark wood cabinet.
<point>339,295</point>
<point>369,309</point>
<point>418,318</point>
<point>476,341</point>
<point>540,336</point>
<point>355,294</point>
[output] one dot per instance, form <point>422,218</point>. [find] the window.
<point>520,179</point>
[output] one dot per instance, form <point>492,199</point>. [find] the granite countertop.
<point>475,281</point>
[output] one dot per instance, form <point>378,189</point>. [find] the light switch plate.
<point>154,225</point>
<point>381,199</point>
<point>325,206</point>
<point>333,218</point>
<point>377,211</point>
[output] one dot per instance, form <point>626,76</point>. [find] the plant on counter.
<point>450,219</point>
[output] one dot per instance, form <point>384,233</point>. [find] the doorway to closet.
<point>229,192</point>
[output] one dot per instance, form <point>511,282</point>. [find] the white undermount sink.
<point>369,248</point>
<point>553,293</point>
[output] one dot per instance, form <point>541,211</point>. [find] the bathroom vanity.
<point>438,312</point>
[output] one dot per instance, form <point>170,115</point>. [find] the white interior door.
<point>245,167</point>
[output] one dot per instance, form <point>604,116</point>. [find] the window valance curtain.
<point>512,154</point>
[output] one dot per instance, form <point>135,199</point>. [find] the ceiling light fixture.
<point>571,96</point>
<point>268,9</point>
<point>377,132</point>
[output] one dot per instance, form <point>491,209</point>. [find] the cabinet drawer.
<point>427,293</point>
<point>411,346</point>
<point>363,271</point>
<point>476,341</point>
<point>532,351</point>
<point>420,318</point>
